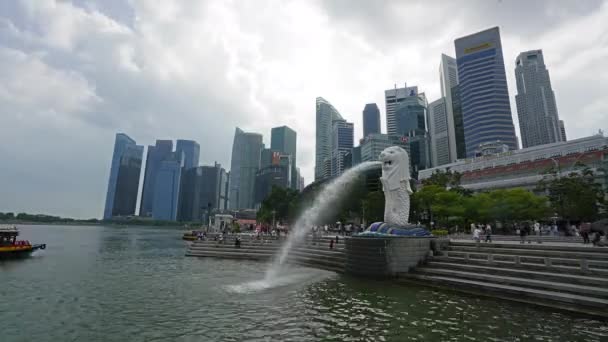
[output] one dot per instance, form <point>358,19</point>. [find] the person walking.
<point>472,228</point>
<point>331,244</point>
<point>522,234</point>
<point>476,235</point>
<point>488,233</point>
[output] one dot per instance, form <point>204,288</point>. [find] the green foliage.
<point>373,205</point>
<point>439,232</point>
<point>450,207</point>
<point>575,197</point>
<point>281,202</point>
<point>443,179</point>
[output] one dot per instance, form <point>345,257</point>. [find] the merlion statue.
<point>396,185</point>
<point>397,190</point>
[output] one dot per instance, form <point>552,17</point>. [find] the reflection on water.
<point>134,284</point>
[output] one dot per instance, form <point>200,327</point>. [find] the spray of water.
<point>322,206</point>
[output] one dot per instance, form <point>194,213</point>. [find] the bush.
<point>439,232</point>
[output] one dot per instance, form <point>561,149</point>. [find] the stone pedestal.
<point>385,256</point>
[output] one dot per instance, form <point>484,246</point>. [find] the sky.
<point>74,73</point>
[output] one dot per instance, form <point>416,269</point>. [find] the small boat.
<point>10,247</point>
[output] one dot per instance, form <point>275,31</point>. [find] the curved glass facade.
<point>484,96</point>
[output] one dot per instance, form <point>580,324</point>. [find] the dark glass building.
<point>246,151</point>
<point>190,205</point>
<point>284,140</point>
<point>167,188</point>
<point>191,152</point>
<point>123,183</point>
<point>486,110</point>
<point>268,177</point>
<point>371,119</point>
<point>156,154</point>
<point>461,150</point>
<point>410,115</point>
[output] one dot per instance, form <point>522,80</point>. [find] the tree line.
<point>443,201</point>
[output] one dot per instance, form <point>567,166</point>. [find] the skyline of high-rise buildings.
<point>471,118</point>
<point>536,108</point>
<point>486,107</point>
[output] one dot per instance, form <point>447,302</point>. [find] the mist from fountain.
<point>323,205</point>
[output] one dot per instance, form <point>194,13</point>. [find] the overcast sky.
<point>72,74</point>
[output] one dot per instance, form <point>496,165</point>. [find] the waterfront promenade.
<point>561,272</point>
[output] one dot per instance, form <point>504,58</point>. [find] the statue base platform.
<point>383,229</point>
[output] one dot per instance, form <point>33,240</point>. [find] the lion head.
<point>395,168</point>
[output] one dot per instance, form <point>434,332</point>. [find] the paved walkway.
<point>517,242</point>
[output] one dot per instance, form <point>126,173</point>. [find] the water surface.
<point>134,284</point>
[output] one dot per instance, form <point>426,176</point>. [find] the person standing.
<point>537,231</point>
<point>331,244</point>
<point>522,233</point>
<point>488,233</point>
<point>585,230</point>
<point>472,228</point>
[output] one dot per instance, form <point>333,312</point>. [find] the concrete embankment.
<point>559,275</point>
<point>309,253</point>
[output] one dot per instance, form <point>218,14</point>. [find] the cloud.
<point>76,72</point>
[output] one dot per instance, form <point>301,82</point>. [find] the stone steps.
<point>533,246</point>
<point>576,270</point>
<point>566,301</point>
<point>295,258</point>
<point>519,280</point>
<point>558,254</point>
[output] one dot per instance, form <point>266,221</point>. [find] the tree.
<point>373,205</point>
<point>575,197</point>
<point>444,179</point>
<point>279,203</point>
<point>425,198</point>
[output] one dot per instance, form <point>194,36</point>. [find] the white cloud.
<point>75,73</point>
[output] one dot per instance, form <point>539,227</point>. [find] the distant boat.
<point>10,247</point>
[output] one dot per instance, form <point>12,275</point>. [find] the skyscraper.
<point>461,149</point>
<point>342,143</point>
<point>539,122</point>
<point>325,115</point>
<point>486,110</point>
<point>167,188</point>
<point>371,119</point>
<point>211,189</point>
<point>448,78</point>
<point>189,204</point>
<point>392,99</point>
<point>562,129</point>
<point>156,154</point>
<point>438,132</point>
<point>191,152</point>
<point>123,183</point>
<point>410,115</point>
<point>246,151</point>
<point>284,139</point>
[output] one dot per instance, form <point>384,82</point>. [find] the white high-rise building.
<point>539,122</point>
<point>392,98</point>
<point>448,78</point>
<point>326,114</point>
